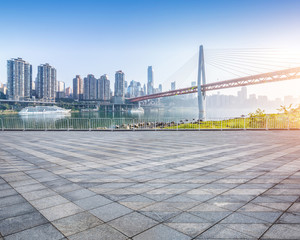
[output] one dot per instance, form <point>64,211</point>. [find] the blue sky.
<point>101,37</point>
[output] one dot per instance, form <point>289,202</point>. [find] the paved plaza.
<point>150,185</point>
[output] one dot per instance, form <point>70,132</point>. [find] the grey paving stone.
<point>15,210</point>
<point>48,202</point>
<point>76,223</point>
<point>186,218</point>
<point>92,202</point>
<point>290,218</point>
<point>283,231</point>
<point>211,216</point>
<point>254,230</point>
<point>269,217</point>
<point>45,232</point>
<point>78,194</point>
<point>133,224</point>
<point>11,200</point>
<point>38,194</point>
<point>241,218</point>
<point>61,211</point>
<point>159,216</point>
<point>222,232</point>
<point>8,192</point>
<point>191,229</point>
<point>110,211</point>
<point>161,232</point>
<point>22,222</point>
<point>103,231</point>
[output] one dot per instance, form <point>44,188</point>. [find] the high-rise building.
<point>134,89</point>
<point>46,84</point>
<point>173,85</point>
<point>150,83</point>
<point>3,88</point>
<point>90,87</point>
<point>160,87</point>
<point>19,79</point>
<point>69,92</point>
<point>60,86</point>
<point>120,84</point>
<point>77,87</point>
<point>242,95</point>
<point>104,88</point>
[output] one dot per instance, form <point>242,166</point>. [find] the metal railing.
<point>165,124</point>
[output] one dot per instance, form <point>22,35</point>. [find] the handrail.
<point>102,124</point>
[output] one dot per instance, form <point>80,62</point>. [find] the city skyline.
<point>153,33</point>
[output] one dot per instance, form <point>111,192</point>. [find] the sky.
<point>100,37</point>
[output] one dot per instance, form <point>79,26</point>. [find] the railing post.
<point>2,127</point>
<point>89,124</point>
<point>154,125</point>
<point>68,126</point>
<point>23,125</point>
<point>244,123</point>
<point>177,126</point>
<point>221,125</point>
<point>288,122</point>
<point>133,129</point>
<point>267,123</point>
<point>45,125</point>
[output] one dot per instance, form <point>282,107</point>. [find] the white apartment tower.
<point>46,84</point>
<point>19,79</point>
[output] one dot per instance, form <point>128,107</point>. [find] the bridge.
<point>274,76</point>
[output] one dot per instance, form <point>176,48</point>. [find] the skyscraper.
<point>104,88</point>
<point>19,79</point>
<point>173,85</point>
<point>150,83</point>
<point>69,92</point>
<point>160,87</point>
<point>77,87</point>
<point>61,86</point>
<point>46,84</point>
<point>90,87</point>
<point>242,94</point>
<point>120,84</point>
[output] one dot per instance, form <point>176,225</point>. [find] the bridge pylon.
<point>201,81</point>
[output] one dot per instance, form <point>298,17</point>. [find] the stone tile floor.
<point>150,185</point>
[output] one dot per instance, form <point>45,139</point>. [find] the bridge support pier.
<point>201,81</point>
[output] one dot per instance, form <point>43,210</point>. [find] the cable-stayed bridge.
<point>235,68</point>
